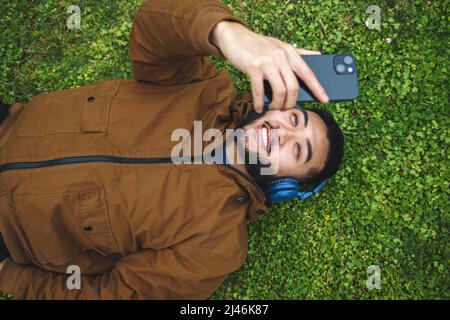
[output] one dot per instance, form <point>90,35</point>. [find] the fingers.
<point>256,82</point>
<point>278,88</point>
<point>280,67</point>
<point>305,73</point>
<point>291,85</point>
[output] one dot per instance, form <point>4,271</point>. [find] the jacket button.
<point>87,228</point>
<point>91,99</point>
<point>241,199</point>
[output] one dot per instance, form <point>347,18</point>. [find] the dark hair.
<point>335,152</point>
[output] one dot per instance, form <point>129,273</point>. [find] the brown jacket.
<point>136,230</point>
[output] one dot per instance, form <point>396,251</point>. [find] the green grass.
<point>388,205</point>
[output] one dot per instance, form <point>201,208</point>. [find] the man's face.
<point>302,141</point>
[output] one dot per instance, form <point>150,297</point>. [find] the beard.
<point>255,169</point>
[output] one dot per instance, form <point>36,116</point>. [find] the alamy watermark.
<point>74,20</point>
<point>374,20</point>
<point>73,282</point>
<point>261,149</point>
<point>374,277</point>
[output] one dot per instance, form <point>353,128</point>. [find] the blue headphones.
<point>286,188</point>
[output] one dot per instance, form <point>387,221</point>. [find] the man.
<point>86,179</point>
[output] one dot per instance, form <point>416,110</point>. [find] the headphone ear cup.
<point>281,189</point>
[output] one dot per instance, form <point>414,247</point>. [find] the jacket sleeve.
<point>173,273</point>
<point>169,40</point>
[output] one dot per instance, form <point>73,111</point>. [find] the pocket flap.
<point>78,110</point>
<point>96,106</point>
<point>94,221</point>
<point>55,228</point>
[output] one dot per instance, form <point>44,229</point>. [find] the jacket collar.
<point>239,109</point>
<point>258,204</point>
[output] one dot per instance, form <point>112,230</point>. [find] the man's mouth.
<point>265,133</point>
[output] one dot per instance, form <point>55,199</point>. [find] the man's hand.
<point>262,57</point>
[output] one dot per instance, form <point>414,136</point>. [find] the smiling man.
<point>86,178</point>
<point>309,144</point>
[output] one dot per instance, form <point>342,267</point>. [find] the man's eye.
<point>295,120</point>
<point>298,150</point>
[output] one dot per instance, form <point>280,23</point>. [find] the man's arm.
<point>193,269</point>
<point>173,273</point>
<point>170,40</point>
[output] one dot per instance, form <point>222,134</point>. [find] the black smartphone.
<point>335,72</point>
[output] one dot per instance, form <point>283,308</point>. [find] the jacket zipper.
<point>103,158</point>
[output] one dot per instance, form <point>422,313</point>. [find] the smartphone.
<point>335,72</point>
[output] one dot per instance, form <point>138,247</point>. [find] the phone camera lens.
<point>340,68</point>
<point>348,60</point>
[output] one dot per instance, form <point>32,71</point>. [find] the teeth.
<point>265,137</point>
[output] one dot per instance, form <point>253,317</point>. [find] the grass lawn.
<point>389,204</point>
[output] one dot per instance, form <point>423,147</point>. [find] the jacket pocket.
<point>76,111</point>
<point>55,228</point>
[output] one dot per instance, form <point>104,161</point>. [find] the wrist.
<point>221,30</point>
<point>217,32</point>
